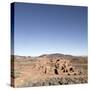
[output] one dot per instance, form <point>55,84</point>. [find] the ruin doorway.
<point>56,71</point>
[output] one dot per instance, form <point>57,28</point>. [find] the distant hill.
<point>58,55</point>
<point>52,56</point>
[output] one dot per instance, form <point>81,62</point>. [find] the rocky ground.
<point>45,70</point>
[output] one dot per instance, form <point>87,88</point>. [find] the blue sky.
<point>42,29</point>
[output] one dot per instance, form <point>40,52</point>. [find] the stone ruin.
<point>58,67</point>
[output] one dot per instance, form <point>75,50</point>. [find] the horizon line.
<point>51,53</point>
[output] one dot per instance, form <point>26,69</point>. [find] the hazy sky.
<point>41,29</point>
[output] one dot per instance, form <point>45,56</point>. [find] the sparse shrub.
<point>68,74</point>
<point>75,74</point>
<point>50,83</point>
<point>60,82</point>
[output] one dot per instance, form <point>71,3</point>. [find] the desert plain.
<point>48,69</point>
